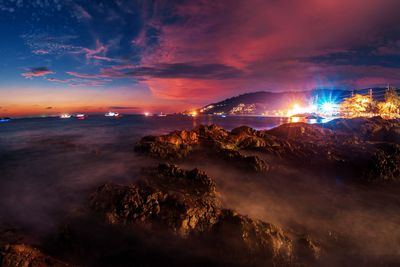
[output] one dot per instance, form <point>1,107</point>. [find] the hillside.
<point>263,101</point>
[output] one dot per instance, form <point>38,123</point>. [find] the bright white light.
<point>65,116</point>
<point>327,107</point>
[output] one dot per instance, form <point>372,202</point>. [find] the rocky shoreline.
<point>174,216</point>
<point>362,149</point>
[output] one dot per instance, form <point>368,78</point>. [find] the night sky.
<point>164,55</point>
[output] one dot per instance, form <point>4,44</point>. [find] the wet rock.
<point>253,241</point>
<point>364,149</point>
<point>20,255</point>
<point>249,163</point>
<point>372,129</point>
<point>381,162</point>
<point>308,248</point>
<point>183,201</point>
<point>300,130</point>
<point>186,203</point>
<point>156,147</point>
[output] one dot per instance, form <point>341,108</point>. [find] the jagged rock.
<point>373,129</point>
<point>254,241</point>
<point>250,163</point>
<point>301,130</point>
<point>308,248</point>
<point>156,147</point>
<point>184,201</point>
<point>362,148</point>
<point>20,255</point>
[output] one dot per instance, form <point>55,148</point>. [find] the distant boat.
<point>112,114</point>
<point>162,115</point>
<point>80,116</point>
<point>65,116</point>
<point>5,119</point>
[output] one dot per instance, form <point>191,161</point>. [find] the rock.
<point>183,201</point>
<point>11,235</point>
<point>249,163</point>
<point>364,149</point>
<point>301,130</point>
<point>379,163</point>
<point>20,255</point>
<point>154,147</point>
<point>244,130</point>
<point>372,129</point>
<point>308,248</point>
<point>254,241</point>
<point>186,203</point>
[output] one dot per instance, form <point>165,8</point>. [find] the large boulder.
<point>187,204</point>
<point>184,201</point>
<point>253,242</point>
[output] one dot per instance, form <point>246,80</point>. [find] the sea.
<point>50,166</point>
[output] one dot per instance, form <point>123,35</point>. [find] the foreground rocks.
<point>183,201</point>
<point>187,204</point>
<point>21,255</point>
<point>365,149</point>
<point>211,141</point>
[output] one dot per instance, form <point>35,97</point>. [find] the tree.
<point>356,106</point>
<point>390,108</point>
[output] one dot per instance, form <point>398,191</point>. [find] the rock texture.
<point>183,201</point>
<point>20,255</point>
<point>187,203</point>
<point>365,149</point>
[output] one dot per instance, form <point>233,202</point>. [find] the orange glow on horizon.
<point>22,102</point>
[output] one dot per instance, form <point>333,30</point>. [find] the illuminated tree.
<point>390,108</point>
<point>356,106</point>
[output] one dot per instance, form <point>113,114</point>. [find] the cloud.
<point>98,53</point>
<point>45,44</point>
<point>212,71</point>
<point>122,108</point>
<point>81,82</point>
<point>80,12</point>
<point>204,50</point>
<point>269,44</point>
<point>37,72</point>
<point>40,52</point>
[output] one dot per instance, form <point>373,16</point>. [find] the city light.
<point>297,109</point>
<point>327,107</point>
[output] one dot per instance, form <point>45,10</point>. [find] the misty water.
<point>48,164</point>
<point>49,167</point>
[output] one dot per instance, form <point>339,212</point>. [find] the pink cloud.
<point>37,72</point>
<point>270,42</point>
<point>98,53</point>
